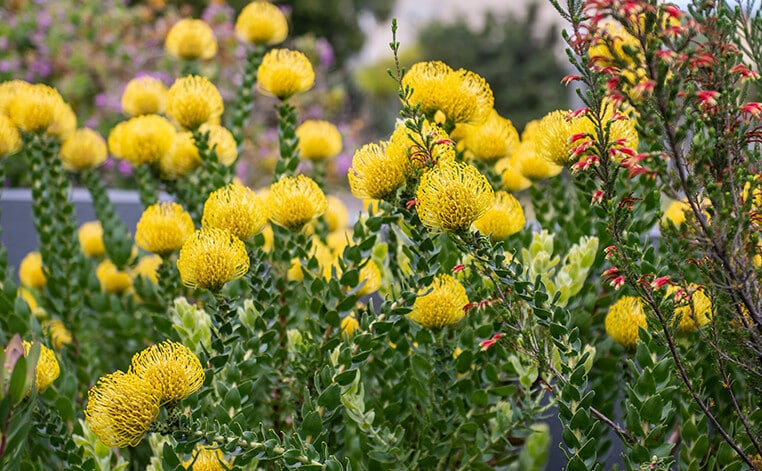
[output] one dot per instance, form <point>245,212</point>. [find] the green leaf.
<point>330,397</point>
<point>312,425</point>
<point>346,377</point>
<point>17,386</point>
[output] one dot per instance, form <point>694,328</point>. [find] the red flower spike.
<point>411,203</point>
<point>458,268</point>
<point>597,197</point>
<point>569,79</point>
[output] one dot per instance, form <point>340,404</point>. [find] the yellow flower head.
<point>144,95</point>
<point>163,228</point>
<point>191,39</point>
<point>182,157</point>
<point>442,305</point>
<point>623,320</point>
<point>30,271</point>
<point>223,143</point>
<point>170,368</point>
<point>121,407</point>
<point>426,80</point>
<point>324,256</point>
<point>318,140</point>
<point>402,147</point>
<point>112,279</point>
<point>31,301</point>
<point>64,124</point>
<point>371,276</point>
<point>466,97</point>
<point>692,314</point>
<point>490,141</point>
<point>295,201</point>
<point>235,208</point>
<point>207,459</point>
<point>90,235</point>
<point>142,140</point>
<point>336,215</point>
<point>261,22</point>
<point>531,164</point>
<point>555,130</point>
<point>612,45</point>
<point>349,326</point>
<point>47,369</point>
<point>8,91</point>
<point>284,73</point>
<point>83,149</point>
<point>193,101</point>
<point>376,173</point>
<point>503,219</point>
<point>452,196</point>
<point>510,173</point>
<point>337,241</point>
<point>10,137</point>
<point>58,333</point>
<point>37,108</point>
<point>211,257</point>
<point>148,268</point>
<point>675,213</point>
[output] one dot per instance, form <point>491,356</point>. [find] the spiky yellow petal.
<point>503,219</point>
<point>144,95</point>
<point>284,73</point>
<point>163,228</point>
<point>83,149</point>
<point>294,201</point>
<point>211,257</point>
<point>318,140</point>
<point>191,39</point>
<point>171,369</point>
<point>235,208</point>
<point>376,173</point>
<point>442,305</point>
<point>193,101</point>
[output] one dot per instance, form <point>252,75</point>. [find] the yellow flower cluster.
<point>404,146</point>
<point>47,369</point>
<point>690,316</point>
<point>142,140</point>
<point>193,101</point>
<point>503,219</point>
<point>147,267</point>
<point>624,319</point>
<point>284,72</point>
<point>58,333</point>
<point>90,235</point>
<point>318,140</point>
<point>376,173</point>
<point>113,280</point>
<point>292,202</point>
<point>183,157</point>
<point>211,257</point>
<point>83,149</point>
<point>191,39</point>
<point>440,304</point>
<point>208,459</point>
<point>490,141</point>
<point>163,228</point>
<point>171,369</point>
<point>336,215</point>
<point>261,22</point>
<point>10,138</point>
<point>38,108</point>
<point>237,209</point>
<point>144,95</point>
<point>31,273</point>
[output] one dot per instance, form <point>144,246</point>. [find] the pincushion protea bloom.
<point>47,369</point>
<point>528,160</point>
<point>193,101</point>
<point>452,196</point>
<point>191,39</point>
<point>163,228</point>
<point>90,235</point>
<point>348,326</point>
<point>426,79</point>
<point>503,219</point>
<point>10,138</point>
<point>57,332</point>
<point>182,157</point>
<point>235,208</point>
<point>370,275</point>
<point>284,73</point>
<point>142,140</point>
<point>691,311</point>
<point>442,305</point>
<point>8,91</point>
<point>623,320</point>
<point>83,149</point>
<point>490,141</point>
<point>294,201</point>
<point>207,459</point>
<point>211,257</point>
<point>121,407</point>
<point>144,95</point>
<point>148,267</point>
<point>30,271</point>
<point>404,145</point>
<point>336,215</point>
<point>261,22</point>
<point>510,174</point>
<point>170,368</point>
<point>112,279</point>
<point>39,108</point>
<point>376,173</point>
<point>318,140</point>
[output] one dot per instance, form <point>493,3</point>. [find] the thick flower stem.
<point>244,102</point>
<point>288,141</point>
<point>146,185</point>
<point>169,286</point>
<point>211,175</point>
<point>115,234</point>
<point>222,323</point>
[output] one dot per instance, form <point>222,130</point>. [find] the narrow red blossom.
<point>597,197</point>
<point>411,203</point>
<point>610,251</point>
<point>744,72</point>
<point>569,79</point>
<point>577,113</point>
<point>753,108</point>
<point>673,11</point>
<point>660,282</point>
<point>458,268</point>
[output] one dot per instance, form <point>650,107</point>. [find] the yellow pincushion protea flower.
<point>510,175</point>
<point>690,315</point>
<point>211,257</point>
<point>90,235</point>
<point>193,101</point>
<point>349,326</point>
<point>235,208</point>
<point>163,228</point>
<point>121,407</point>
<point>555,130</point>
<point>531,164</point>
<point>371,276</point>
<point>452,196</point>
<point>83,149</point>
<point>503,219</point>
<point>8,91</point>
<point>58,333</point>
<point>403,147</point>
<point>490,141</point>
<point>610,45</point>
<point>112,279</point>
<point>47,369</point>
<point>375,173</point>
<point>466,97</point>
<point>37,108</point>
<point>442,305</point>
<point>318,140</point>
<point>284,73</point>
<point>675,213</point>
<point>64,124</point>
<point>30,271</point>
<point>170,368</point>
<point>223,143</point>
<point>10,137</point>
<point>337,241</point>
<point>144,95</point>
<point>142,140</point>
<point>191,39</point>
<point>623,320</point>
<point>207,459</point>
<point>148,267</point>
<point>182,157</point>
<point>294,201</point>
<point>426,79</point>
<point>336,215</point>
<point>261,22</point>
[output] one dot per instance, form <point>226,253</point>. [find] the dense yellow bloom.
<point>324,256</point>
<point>261,22</point>
<point>31,301</point>
<point>142,140</point>
<point>30,271</point>
<point>402,147</point>
<point>112,279</point>
<point>191,39</point>
<point>337,241</point>
<point>376,173</point>
<point>452,196</point>
<point>694,314</point>
<point>211,257</point>
<point>182,157</point>
<point>349,326</point>
<point>531,164</point>
<point>207,459</point>
<point>510,173</point>
<point>503,219</point>
<point>235,208</point>
<point>148,267</point>
<point>223,143</point>
<point>121,407</point>
<point>8,91</point>
<point>294,201</point>
<point>336,214</point>
<point>83,149</point>
<point>37,108</point>
<point>163,228</point>
<point>426,79</point>
<point>58,333</point>
<point>170,368</point>
<point>675,213</point>
<point>613,45</point>
<point>65,122</point>
<point>623,320</point>
<point>144,95</point>
<point>490,141</point>
<point>47,369</point>
<point>442,306</point>
<point>371,276</point>
<point>318,140</point>
<point>90,235</point>
<point>193,101</point>
<point>555,130</point>
<point>10,137</point>
<point>284,73</point>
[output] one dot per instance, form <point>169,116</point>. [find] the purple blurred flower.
<point>343,162</point>
<point>125,168</point>
<point>325,52</point>
<point>40,68</point>
<point>43,20</point>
